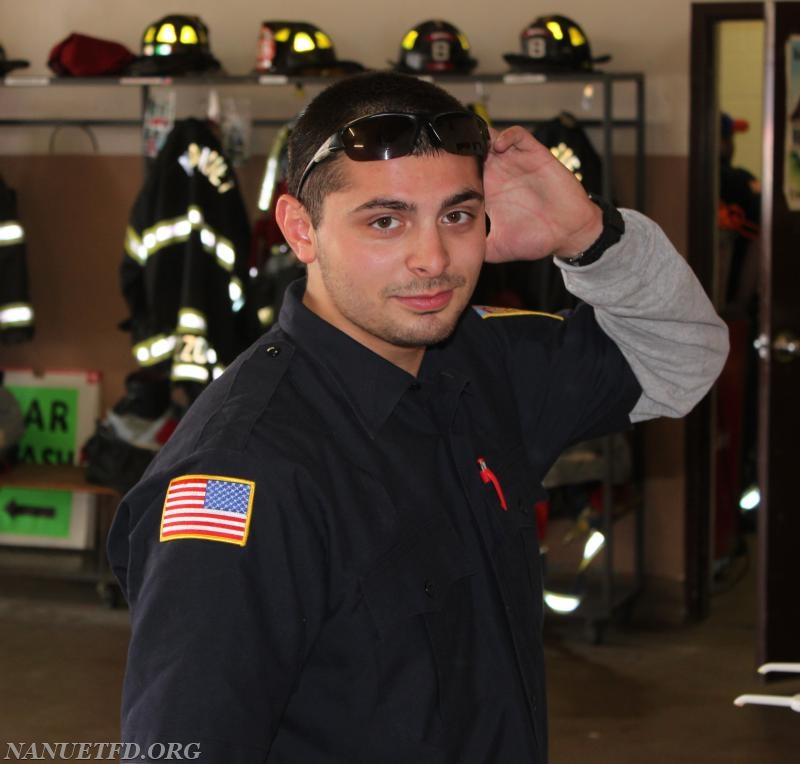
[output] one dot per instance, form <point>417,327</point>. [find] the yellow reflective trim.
<point>576,37</point>
<point>463,40</point>
<point>167,34</point>
<point>208,238</point>
<point>409,40</point>
<point>154,349</point>
<point>11,233</point>
<point>236,293</point>
<point>323,41</point>
<point>303,43</point>
<point>15,314</point>
<point>555,30</point>
<point>266,315</point>
<point>191,320</point>
<point>188,35</point>
<point>226,255</point>
<point>168,232</point>
<point>283,34</point>
<point>189,372</point>
<point>150,34</point>
<point>134,247</point>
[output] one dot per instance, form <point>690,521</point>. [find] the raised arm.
<point>646,298</point>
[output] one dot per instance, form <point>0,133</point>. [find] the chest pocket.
<point>516,485</point>
<point>416,577</point>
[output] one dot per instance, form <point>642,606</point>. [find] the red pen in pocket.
<point>489,477</point>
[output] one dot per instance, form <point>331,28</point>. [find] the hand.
<point>536,205</point>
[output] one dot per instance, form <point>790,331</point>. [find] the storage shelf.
<point>606,116</point>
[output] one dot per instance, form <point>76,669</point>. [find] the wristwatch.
<point>613,228</point>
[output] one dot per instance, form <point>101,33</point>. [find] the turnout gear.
<point>273,265</point>
<point>553,44</point>
<point>569,143</point>
<point>9,64</point>
<point>16,311</point>
<point>185,262</point>
<point>298,48</point>
<point>175,44</point>
<point>435,47</point>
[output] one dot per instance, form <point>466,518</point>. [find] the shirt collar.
<point>372,385</point>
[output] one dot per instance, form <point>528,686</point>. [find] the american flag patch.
<point>207,507</point>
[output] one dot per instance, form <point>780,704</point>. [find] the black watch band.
<point>613,228</point>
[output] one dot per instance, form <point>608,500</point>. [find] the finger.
<point>515,136</point>
<point>506,139</point>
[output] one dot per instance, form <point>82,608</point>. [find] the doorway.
<point>739,100</point>
<point>778,323</point>
<point>726,67</point>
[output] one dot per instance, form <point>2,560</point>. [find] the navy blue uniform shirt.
<point>374,600</point>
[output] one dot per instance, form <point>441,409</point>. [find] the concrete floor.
<point>646,695</point>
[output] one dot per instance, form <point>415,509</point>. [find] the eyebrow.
<point>467,195</point>
<point>388,203</point>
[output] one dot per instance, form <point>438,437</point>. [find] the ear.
<point>295,224</point>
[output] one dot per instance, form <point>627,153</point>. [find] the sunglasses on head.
<point>393,135</point>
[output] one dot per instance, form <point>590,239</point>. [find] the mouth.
<point>426,303</point>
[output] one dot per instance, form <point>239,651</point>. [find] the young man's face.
<point>398,252</point>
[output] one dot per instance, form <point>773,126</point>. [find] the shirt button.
<point>430,589</point>
<point>273,350</point>
<point>415,386</point>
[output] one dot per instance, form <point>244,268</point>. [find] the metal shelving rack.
<point>613,593</point>
<point>607,122</point>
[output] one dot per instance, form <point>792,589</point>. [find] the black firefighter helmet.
<point>9,64</point>
<point>298,48</point>
<point>435,47</point>
<point>553,44</point>
<point>174,45</point>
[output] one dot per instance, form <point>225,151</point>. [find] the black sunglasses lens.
<point>384,136</point>
<point>461,134</point>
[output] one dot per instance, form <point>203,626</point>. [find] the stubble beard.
<point>421,330</point>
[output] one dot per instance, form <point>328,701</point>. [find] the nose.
<point>429,256</point>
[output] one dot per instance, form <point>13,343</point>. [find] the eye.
<point>457,216</point>
<point>385,223</point>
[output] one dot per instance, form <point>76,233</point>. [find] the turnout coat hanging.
<point>185,263</point>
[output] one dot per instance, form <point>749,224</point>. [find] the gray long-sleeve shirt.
<point>648,300</point>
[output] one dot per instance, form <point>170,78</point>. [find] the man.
<point>374,460</point>
<point>739,221</point>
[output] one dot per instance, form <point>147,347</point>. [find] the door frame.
<point>702,211</point>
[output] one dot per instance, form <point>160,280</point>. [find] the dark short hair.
<point>351,98</point>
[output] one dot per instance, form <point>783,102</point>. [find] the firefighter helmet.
<point>298,48</point>
<point>435,47</point>
<point>175,44</point>
<point>9,64</point>
<point>553,44</point>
